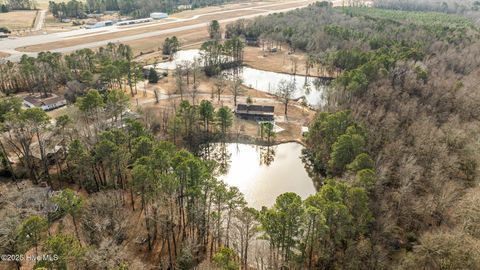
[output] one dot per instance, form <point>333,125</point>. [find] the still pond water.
<point>262,173</point>
<point>309,88</point>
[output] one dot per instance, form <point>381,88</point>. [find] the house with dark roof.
<point>251,41</point>
<point>49,103</point>
<point>255,112</point>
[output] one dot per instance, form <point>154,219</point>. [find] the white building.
<point>137,21</point>
<point>46,104</point>
<point>99,24</point>
<point>158,15</point>
<point>183,7</point>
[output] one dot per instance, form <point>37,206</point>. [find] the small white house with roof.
<point>47,104</point>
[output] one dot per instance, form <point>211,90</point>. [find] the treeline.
<point>405,103</point>
<point>451,6</point>
<point>134,8</point>
<point>4,8</point>
<point>110,66</point>
<point>342,28</point>
<point>218,56</point>
<point>17,5</point>
<point>70,9</point>
<point>337,145</point>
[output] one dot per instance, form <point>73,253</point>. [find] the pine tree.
<point>153,76</point>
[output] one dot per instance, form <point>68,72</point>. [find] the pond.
<point>310,88</point>
<point>180,56</point>
<point>262,173</point>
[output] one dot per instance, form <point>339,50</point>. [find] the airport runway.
<point>65,42</point>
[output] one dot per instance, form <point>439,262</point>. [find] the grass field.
<point>18,20</point>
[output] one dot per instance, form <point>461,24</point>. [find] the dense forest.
<point>406,102</point>
<point>7,5</point>
<point>110,66</point>
<point>134,8</point>
<point>451,6</point>
<point>186,214</point>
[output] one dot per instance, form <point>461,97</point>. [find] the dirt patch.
<point>188,39</point>
<point>18,20</point>
<point>4,54</point>
<point>52,25</point>
<point>281,61</point>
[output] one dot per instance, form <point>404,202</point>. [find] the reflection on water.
<point>267,155</point>
<point>262,173</point>
<point>179,57</point>
<point>218,152</point>
<point>310,88</point>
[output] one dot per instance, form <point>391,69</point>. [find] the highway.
<point>146,30</point>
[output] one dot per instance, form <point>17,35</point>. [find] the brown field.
<point>146,29</point>
<point>18,20</point>
<point>188,39</point>
<point>95,38</point>
<point>4,54</point>
<point>281,61</point>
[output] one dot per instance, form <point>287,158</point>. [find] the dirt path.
<point>39,20</point>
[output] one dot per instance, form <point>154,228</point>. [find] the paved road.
<point>10,45</point>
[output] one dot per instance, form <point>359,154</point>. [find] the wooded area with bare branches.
<point>393,151</point>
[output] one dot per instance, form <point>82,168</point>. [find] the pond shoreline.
<point>248,139</point>
<point>249,63</point>
<point>262,173</point>
<point>324,78</point>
